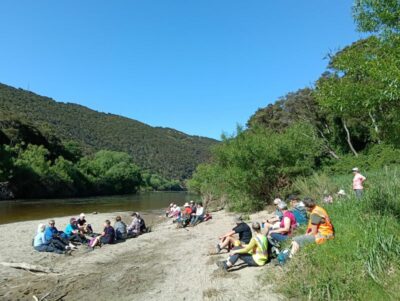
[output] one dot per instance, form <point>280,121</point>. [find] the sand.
<point>166,264</point>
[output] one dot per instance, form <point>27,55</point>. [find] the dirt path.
<point>167,264</point>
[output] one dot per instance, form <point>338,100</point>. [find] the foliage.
<point>163,151</point>
<point>250,167</point>
<point>39,165</point>
<point>363,261</point>
<point>378,16</point>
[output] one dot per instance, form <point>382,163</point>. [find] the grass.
<point>363,261</point>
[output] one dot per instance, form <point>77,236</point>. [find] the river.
<point>148,202</point>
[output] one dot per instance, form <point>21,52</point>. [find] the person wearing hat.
<point>82,224</point>
<point>134,228</point>
<point>185,215</point>
<point>286,226</point>
<point>358,181</point>
<point>169,210</point>
<point>229,241</point>
<point>273,222</point>
<point>254,254</point>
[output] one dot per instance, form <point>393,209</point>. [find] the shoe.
<point>283,257</point>
<point>217,249</point>
<point>222,265</point>
<point>67,248</point>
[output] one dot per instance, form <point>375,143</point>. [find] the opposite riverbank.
<point>166,264</point>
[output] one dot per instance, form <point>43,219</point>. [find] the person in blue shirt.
<point>52,235</point>
<point>72,232</point>
<point>40,244</point>
<point>299,210</point>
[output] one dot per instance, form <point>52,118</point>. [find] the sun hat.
<point>186,205</point>
<point>277,201</point>
<point>355,169</point>
<point>256,225</point>
<point>82,215</point>
<point>282,205</point>
<point>238,219</point>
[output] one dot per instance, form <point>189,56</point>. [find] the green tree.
<point>378,16</point>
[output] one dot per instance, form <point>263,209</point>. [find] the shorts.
<point>303,240</point>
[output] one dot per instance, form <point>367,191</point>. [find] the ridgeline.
<point>163,151</point>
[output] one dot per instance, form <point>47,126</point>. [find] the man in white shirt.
<point>199,216</point>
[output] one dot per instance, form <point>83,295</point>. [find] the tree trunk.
<point>327,146</point>
<point>348,138</point>
<point>375,125</point>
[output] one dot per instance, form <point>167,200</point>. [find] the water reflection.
<point>22,210</point>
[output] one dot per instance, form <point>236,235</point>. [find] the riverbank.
<point>166,264</point>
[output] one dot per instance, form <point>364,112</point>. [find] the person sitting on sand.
<point>52,235</point>
<point>120,229</point>
<point>193,206</point>
<point>185,215</point>
<point>287,224</point>
<point>72,232</point>
<point>299,210</point>
<point>198,217</point>
<point>106,237</point>
<point>83,226</point>
<point>176,212</point>
<point>228,240</point>
<point>134,227</point>
<point>254,254</point>
<point>169,210</point>
<point>275,221</point>
<point>319,229</point>
<point>142,223</point>
<point>40,244</point>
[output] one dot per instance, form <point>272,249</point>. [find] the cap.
<point>355,169</point>
<point>238,219</point>
<point>277,201</point>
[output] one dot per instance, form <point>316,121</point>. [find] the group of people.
<point>190,215</point>
<point>78,232</point>
<point>254,249</point>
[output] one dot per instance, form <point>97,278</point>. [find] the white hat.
<point>341,192</point>
<point>282,205</point>
<point>82,215</point>
<point>277,201</point>
<point>186,205</point>
<point>355,169</point>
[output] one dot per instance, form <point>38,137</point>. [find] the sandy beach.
<point>166,264</point>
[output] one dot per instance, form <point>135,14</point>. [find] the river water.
<point>147,202</point>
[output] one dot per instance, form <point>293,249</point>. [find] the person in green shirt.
<point>253,254</point>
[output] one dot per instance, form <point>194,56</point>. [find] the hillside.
<point>163,151</point>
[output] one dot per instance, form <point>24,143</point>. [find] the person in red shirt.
<point>185,215</point>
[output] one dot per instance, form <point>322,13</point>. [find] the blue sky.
<point>199,66</point>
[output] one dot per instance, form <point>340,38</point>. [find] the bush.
<point>251,166</point>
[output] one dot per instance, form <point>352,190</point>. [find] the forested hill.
<point>163,151</point>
